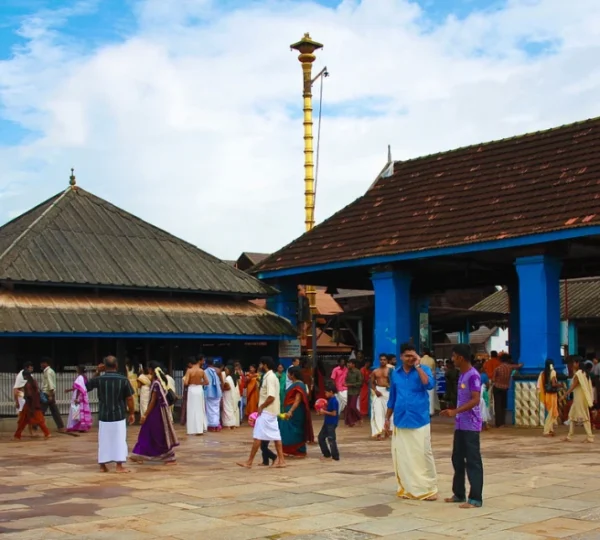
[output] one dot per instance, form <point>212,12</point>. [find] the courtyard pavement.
<point>534,489</point>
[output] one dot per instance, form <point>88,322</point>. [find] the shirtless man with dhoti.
<point>380,393</point>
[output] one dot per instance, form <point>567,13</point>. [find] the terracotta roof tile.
<point>540,182</point>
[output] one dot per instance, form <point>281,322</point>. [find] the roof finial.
<point>72,180</point>
<point>389,153</point>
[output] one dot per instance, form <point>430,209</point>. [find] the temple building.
<point>81,278</point>
<point>521,213</point>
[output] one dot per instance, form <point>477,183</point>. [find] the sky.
<point>189,114</point>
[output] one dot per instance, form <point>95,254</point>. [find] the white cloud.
<point>193,122</point>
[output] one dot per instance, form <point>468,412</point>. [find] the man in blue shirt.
<point>411,436</point>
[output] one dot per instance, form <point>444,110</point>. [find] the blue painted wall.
<point>539,311</point>
<point>514,340</point>
<point>573,338</point>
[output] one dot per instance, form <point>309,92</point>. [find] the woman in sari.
<point>157,439</point>
<point>144,383</point>
<point>296,427</point>
<point>80,415</point>
<point>132,378</point>
<point>31,413</point>
<point>231,399</point>
<point>581,387</point>
<point>252,391</point>
<point>282,382</point>
<point>548,388</point>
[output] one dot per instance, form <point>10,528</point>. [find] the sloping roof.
<point>476,337</point>
<point>535,183</point>
<point>583,296</point>
<point>68,313</point>
<point>326,304</point>
<point>255,258</point>
<point>78,238</point>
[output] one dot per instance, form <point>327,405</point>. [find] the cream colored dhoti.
<point>378,410</point>
<point>413,463</point>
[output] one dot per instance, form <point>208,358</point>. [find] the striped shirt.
<point>502,375</point>
<point>113,391</point>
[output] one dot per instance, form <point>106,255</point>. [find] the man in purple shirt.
<point>466,453</point>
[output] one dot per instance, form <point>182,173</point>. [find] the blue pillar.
<point>392,325</point>
<point>514,339</point>
<point>539,310</point>
<point>573,338</point>
<point>285,304</point>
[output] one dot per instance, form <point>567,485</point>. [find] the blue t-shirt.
<point>332,405</point>
<point>409,398</point>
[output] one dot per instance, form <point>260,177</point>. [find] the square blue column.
<point>573,337</point>
<point>514,340</point>
<point>392,325</point>
<point>539,310</point>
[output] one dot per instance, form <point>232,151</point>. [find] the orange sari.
<point>251,395</point>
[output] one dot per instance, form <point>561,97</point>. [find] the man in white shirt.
<point>266,427</point>
<point>49,389</point>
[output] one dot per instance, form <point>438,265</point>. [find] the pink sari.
<point>80,416</point>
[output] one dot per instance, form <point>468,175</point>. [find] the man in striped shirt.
<point>115,398</point>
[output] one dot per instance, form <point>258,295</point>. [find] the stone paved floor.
<point>535,489</point>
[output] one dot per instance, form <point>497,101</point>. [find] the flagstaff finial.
<point>389,153</point>
<point>72,180</point>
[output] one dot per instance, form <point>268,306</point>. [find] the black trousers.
<point>500,401</point>
<point>327,435</point>
<point>466,457</point>
<point>51,404</point>
<point>267,453</point>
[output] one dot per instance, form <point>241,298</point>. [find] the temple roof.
<point>530,184</point>
<point>74,312</point>
<point>76,238</point>
<point>579,299</point>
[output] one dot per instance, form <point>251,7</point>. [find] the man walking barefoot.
<point>267,427</point>
<point>115,396</point>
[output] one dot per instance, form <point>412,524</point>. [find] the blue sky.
<point>188,113</point>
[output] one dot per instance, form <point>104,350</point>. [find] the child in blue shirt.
<point>327,433</point>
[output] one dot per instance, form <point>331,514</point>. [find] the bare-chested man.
<point>380,384</point>
<point>195,380</point>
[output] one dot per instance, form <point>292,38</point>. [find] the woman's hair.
<point>295,372</point>
<point>547,369</point>
<point>81,369</point>
<point>232,373</point>
<point>157,368</point>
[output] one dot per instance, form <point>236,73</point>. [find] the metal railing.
<point>64,381</point>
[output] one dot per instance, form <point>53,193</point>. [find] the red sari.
<point>252,389</point>
<point>364,392</point>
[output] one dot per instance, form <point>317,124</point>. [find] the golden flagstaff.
<point>306,47</point>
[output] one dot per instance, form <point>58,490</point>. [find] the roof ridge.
<point>22,235</point>
<point>496,141</point>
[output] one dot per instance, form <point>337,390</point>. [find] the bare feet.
<point>467,505</point>
<point>62,430</point>
<point>121,469</point>
<point>171,463</point>
<point>453,500</point>
<point>323,458</point>
<point>431,499</point>
<point>46,437</point>
<point>566,439</point>
<point>244,465</point>
<point>279,464</point>
<point>103,468</point>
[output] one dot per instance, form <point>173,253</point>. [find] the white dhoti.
<point>21,403</point>
<point>342,398</point>
<point>378,410</point>
<point>413,463</point>
<point>195,415</point>
<point>213,412</point>
<point>112,442</point>
<point>266,428</point>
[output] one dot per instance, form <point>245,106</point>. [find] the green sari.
<point>298,430</point>
<point>282,379</point>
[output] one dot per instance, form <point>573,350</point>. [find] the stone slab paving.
<point>535,489</point>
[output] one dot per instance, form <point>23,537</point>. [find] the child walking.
<point>327,438</point>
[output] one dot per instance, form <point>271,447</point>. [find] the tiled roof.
<point>26,312</point>
<point>582,295</point>
<point>77,238</point>
<point>255,258</point>
<point>476,337</point>
<point>540,182</point>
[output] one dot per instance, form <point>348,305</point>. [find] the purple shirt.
<point>467,383</point>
